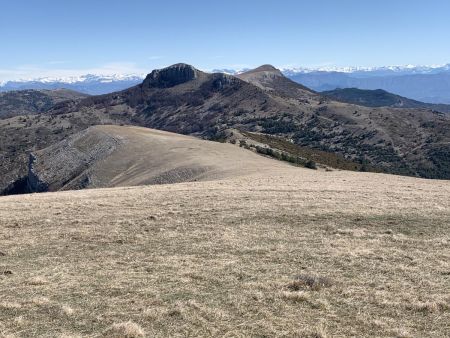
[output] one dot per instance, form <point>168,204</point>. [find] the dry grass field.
<point>293,253</point>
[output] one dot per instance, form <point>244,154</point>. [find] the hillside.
<point>293,252</point>
<point>380,98</point>
<point>111,156</point>
<point>28,102</point>
<point>271,79</point>
<point>184,100</point>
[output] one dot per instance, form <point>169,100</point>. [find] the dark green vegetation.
<point>185,100</point>
<point>291,152</point>
<point>380,98</point>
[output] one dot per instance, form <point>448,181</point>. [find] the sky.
<point>73,37</point>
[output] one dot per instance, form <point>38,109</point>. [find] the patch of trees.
<point>286,157</point>
<point>215,134</point>
<point>440,159</point>
<point>277,126</point>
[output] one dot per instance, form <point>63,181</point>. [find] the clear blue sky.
<point>50,37</point>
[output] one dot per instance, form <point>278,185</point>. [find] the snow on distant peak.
<point>413,69</point>
<point>82,78</point>
<point>230,71</point>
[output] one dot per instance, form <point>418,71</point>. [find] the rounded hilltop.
<point>265,68</point>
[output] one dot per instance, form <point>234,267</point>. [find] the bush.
<point>311,164</point>
<point>215,134</point>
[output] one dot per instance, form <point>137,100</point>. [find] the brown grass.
<point>311,282</point>
<point>124,330</point>
<point>296,253</point>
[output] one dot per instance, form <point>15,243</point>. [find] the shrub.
<point>311,164</point>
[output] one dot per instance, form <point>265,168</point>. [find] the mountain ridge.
<point>409,81</point>
<point>34,101</point>
<point>380,98</point>
<point>428,88</point>
<point>214,106</point>
<point>89,84</point>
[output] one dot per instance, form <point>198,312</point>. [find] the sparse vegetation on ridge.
<point>303,155</point>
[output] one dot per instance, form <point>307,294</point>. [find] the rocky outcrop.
<point>170,76</point>
<point>66,164</point>
<point>34,182</point>
<point>221,81</point>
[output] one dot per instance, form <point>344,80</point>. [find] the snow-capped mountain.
<point>89,83</point>
<point>90,78</point>
<point>230,71</point>
<point>423,83</point>
<point>370,71</point>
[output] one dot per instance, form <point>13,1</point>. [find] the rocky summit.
<point>170,76</point>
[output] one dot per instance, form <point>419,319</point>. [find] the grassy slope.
<point>142,156</point>
<point>220,258</point>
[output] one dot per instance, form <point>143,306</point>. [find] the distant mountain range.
<point>88,84</point>
<point>371,71</point>
<point>430,84</point>
<point>380,98</point>
<point>430,88</point>
<point>261,106</point>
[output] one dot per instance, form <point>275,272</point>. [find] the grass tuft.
<point>35,281</point>
<point>124,330</point>
<point>295,296</point>
<point>309,282</point>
